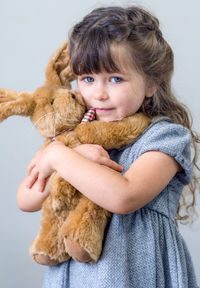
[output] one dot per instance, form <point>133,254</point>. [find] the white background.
<point>29,32</point>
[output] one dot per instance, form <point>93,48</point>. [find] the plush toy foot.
<point>43,253</point>
<point>85,226</point>
<point>45,260</point>
<point>77,252</point>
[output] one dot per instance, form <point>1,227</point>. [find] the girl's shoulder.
<point>162,131</point>
<point>165,136</point>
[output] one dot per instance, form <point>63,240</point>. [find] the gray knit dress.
<point>143,249</point>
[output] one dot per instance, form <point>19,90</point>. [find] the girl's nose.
<point>100,94</point>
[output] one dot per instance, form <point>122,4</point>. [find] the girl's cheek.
<point>86,101</point>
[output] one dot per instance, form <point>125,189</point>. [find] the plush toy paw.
<point>85,227</point>
<point>46,252</point>
<point>45,260</point>
<point>77,252</point>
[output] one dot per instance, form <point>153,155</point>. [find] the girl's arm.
<point>121,194</point>
<point>30,199</point>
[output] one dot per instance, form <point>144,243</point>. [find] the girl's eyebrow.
<point>119,73</point>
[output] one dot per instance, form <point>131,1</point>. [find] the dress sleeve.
<point>172,139</point>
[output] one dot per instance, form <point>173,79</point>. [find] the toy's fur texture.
<point>71,225</point>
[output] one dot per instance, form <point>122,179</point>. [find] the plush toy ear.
<point>15,103</point>
<point>58,69</point>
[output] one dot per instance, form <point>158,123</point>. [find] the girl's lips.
<point>103,109</point>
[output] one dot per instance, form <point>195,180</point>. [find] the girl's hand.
<point>40,167</point>
<point>97,154</point>
<point>32,164</point>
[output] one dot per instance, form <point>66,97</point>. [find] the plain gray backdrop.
<point>30,31</point>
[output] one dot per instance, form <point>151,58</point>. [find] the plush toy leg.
<point>78,253</point>
<point>64,196</point>
<point>40,257</point>
<point>83,231</point>
<point>48,248</point>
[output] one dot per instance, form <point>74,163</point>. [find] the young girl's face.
<point>114,95</point>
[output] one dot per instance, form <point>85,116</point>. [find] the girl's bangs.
<point>92,55</point>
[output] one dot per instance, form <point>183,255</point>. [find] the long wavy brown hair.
<point>90,45</point>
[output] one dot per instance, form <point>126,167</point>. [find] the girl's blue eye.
<point>116,79</point>
<point>89,79</point>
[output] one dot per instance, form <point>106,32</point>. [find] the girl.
<point>124,65</point>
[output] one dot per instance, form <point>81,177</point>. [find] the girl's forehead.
<point>121,55</point>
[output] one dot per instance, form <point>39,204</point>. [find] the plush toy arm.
<point>69,139</point>
<point>15,103</point>
<point>113,134</point>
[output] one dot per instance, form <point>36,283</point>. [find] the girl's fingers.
<point>32,179</point>
<point>41,184</point>
<point>112,164</point>
<point>31,166</point>
<point>33,162</point>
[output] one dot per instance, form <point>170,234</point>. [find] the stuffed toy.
<point>71,225</point>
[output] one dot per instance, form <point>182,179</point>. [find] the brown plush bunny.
<point>71,225</point>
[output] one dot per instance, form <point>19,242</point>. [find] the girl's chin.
<point>107,115</point>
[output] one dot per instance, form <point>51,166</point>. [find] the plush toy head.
<point>52,107</point>
<point>58,70</point>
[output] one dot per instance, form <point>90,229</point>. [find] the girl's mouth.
<point>103,110</point>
